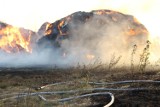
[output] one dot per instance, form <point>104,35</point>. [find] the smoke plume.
<point>79,38</point>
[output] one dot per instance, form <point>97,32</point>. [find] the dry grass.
<point>28,81</point>
<point>15,81</point>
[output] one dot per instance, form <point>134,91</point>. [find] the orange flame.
<point>48,29</point>
<point>60,25</point>
<point>11,40</point>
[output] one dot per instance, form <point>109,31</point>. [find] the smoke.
<point>92,41</point>
<point>87,43</point>
<point>146,11</point>
<point>45,58</point>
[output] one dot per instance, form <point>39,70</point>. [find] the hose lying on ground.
<point>40,94</point>
<point>82,96</point>
<point>20,95</point>
<point>100,83</point>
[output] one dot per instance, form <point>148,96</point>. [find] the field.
<point>43,86</point>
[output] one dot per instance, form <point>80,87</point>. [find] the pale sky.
<point>31,14</point>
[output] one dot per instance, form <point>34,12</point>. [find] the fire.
<point>60,25</point>
<point>48,29</point>
<point>11,40</point>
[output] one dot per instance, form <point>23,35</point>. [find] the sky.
<point>31,14</point>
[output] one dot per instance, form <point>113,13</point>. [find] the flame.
<point>11,40</point>
<point>48,29</point>
<point>60,25</point>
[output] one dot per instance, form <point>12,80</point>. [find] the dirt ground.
<point>15,81</point>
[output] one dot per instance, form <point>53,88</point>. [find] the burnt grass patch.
<point>18,80</point>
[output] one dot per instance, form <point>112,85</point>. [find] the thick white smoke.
<point>86,44</point>
<point>101,42</point>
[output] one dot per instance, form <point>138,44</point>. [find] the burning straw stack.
<point>78,24</point>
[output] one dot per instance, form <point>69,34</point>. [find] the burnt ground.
<point>20,80</point>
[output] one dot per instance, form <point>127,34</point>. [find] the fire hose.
<point>40,94</point>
